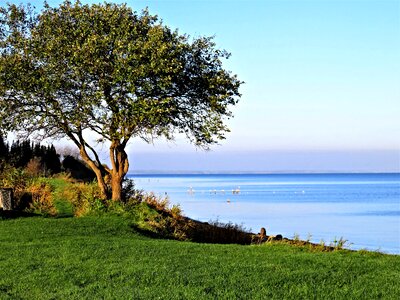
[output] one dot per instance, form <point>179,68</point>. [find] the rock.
<point>263,232</point>
<point>261,237</point>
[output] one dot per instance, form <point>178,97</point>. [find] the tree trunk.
<point>120,166</point>
<point>100,180</point>
<point>116,187</point>
<point>102,185</point>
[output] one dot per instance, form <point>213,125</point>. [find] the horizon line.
<point>222,172</point>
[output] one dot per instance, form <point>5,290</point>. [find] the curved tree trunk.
<point>96,169</point>
<point>119,162</point>
<point>120,166</point>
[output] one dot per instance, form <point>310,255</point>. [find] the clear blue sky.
<point>322,89</point>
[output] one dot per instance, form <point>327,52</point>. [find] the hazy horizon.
<point>266,162</point>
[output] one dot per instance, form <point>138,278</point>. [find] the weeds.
<point>309,237</point>
<point>296,237</point>
<point>339,244</point>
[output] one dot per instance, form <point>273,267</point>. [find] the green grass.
<point>64,208</point>
<point>103,258</point>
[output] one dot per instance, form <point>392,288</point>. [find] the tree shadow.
<point>14,214</point>
<point>149,233</point>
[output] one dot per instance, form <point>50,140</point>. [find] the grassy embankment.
<point>104,256</point>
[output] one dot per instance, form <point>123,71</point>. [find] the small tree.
<point>109,70</point>
<point>35,167</point>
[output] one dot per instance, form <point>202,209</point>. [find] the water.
<point>362,208</point>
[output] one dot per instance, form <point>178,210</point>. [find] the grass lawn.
<point>103,258</point>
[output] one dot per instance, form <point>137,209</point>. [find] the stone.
<point>6,199</point>
<point>262,236</point>
<point>263,232</point>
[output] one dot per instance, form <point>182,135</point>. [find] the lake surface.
<point>362,208</point>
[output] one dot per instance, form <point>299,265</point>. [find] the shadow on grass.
<point>14,214</point>
<point>64,209</point>
<point>149,233</point>
<point>216,232</point>
<point>203,232</point>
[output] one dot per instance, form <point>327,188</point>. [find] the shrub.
<point>84,197</point>
<point>220,233</point>
<point>156,215</point>
<point>18,180</point>
<point>65,177</point>
<point>153,215</point>
<point>34,167</point>
<point>42,198</point>
<point>128,190</point>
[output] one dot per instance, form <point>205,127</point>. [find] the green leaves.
<point>109,69</point>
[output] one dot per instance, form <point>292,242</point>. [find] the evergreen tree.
<point>3,148</point>
<point>22,152</point>
<point>51,160</point>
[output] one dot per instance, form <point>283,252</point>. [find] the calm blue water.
<point>362,208</point>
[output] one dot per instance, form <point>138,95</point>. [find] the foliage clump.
<point>158,218</point>
<point>84,198</point>
<point>41,198</point>
<point>18,180</point>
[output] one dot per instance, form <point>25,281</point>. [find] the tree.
<point>108,70</point>
<point>21,153</point>
<point>3,152</point>
<point>3,148</point>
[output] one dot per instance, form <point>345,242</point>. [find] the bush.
<point>18,180</point>
<point>42,201</point>
<point>34,167</point>
<point>84,197</point>
<point>128,190</point>
<point>220,233</point>
<point>155,216</point>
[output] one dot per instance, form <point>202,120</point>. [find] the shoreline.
<point>331,204</point>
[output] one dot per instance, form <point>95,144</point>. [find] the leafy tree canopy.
<point>113,71</point>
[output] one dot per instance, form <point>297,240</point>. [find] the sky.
<point>321,91</point>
